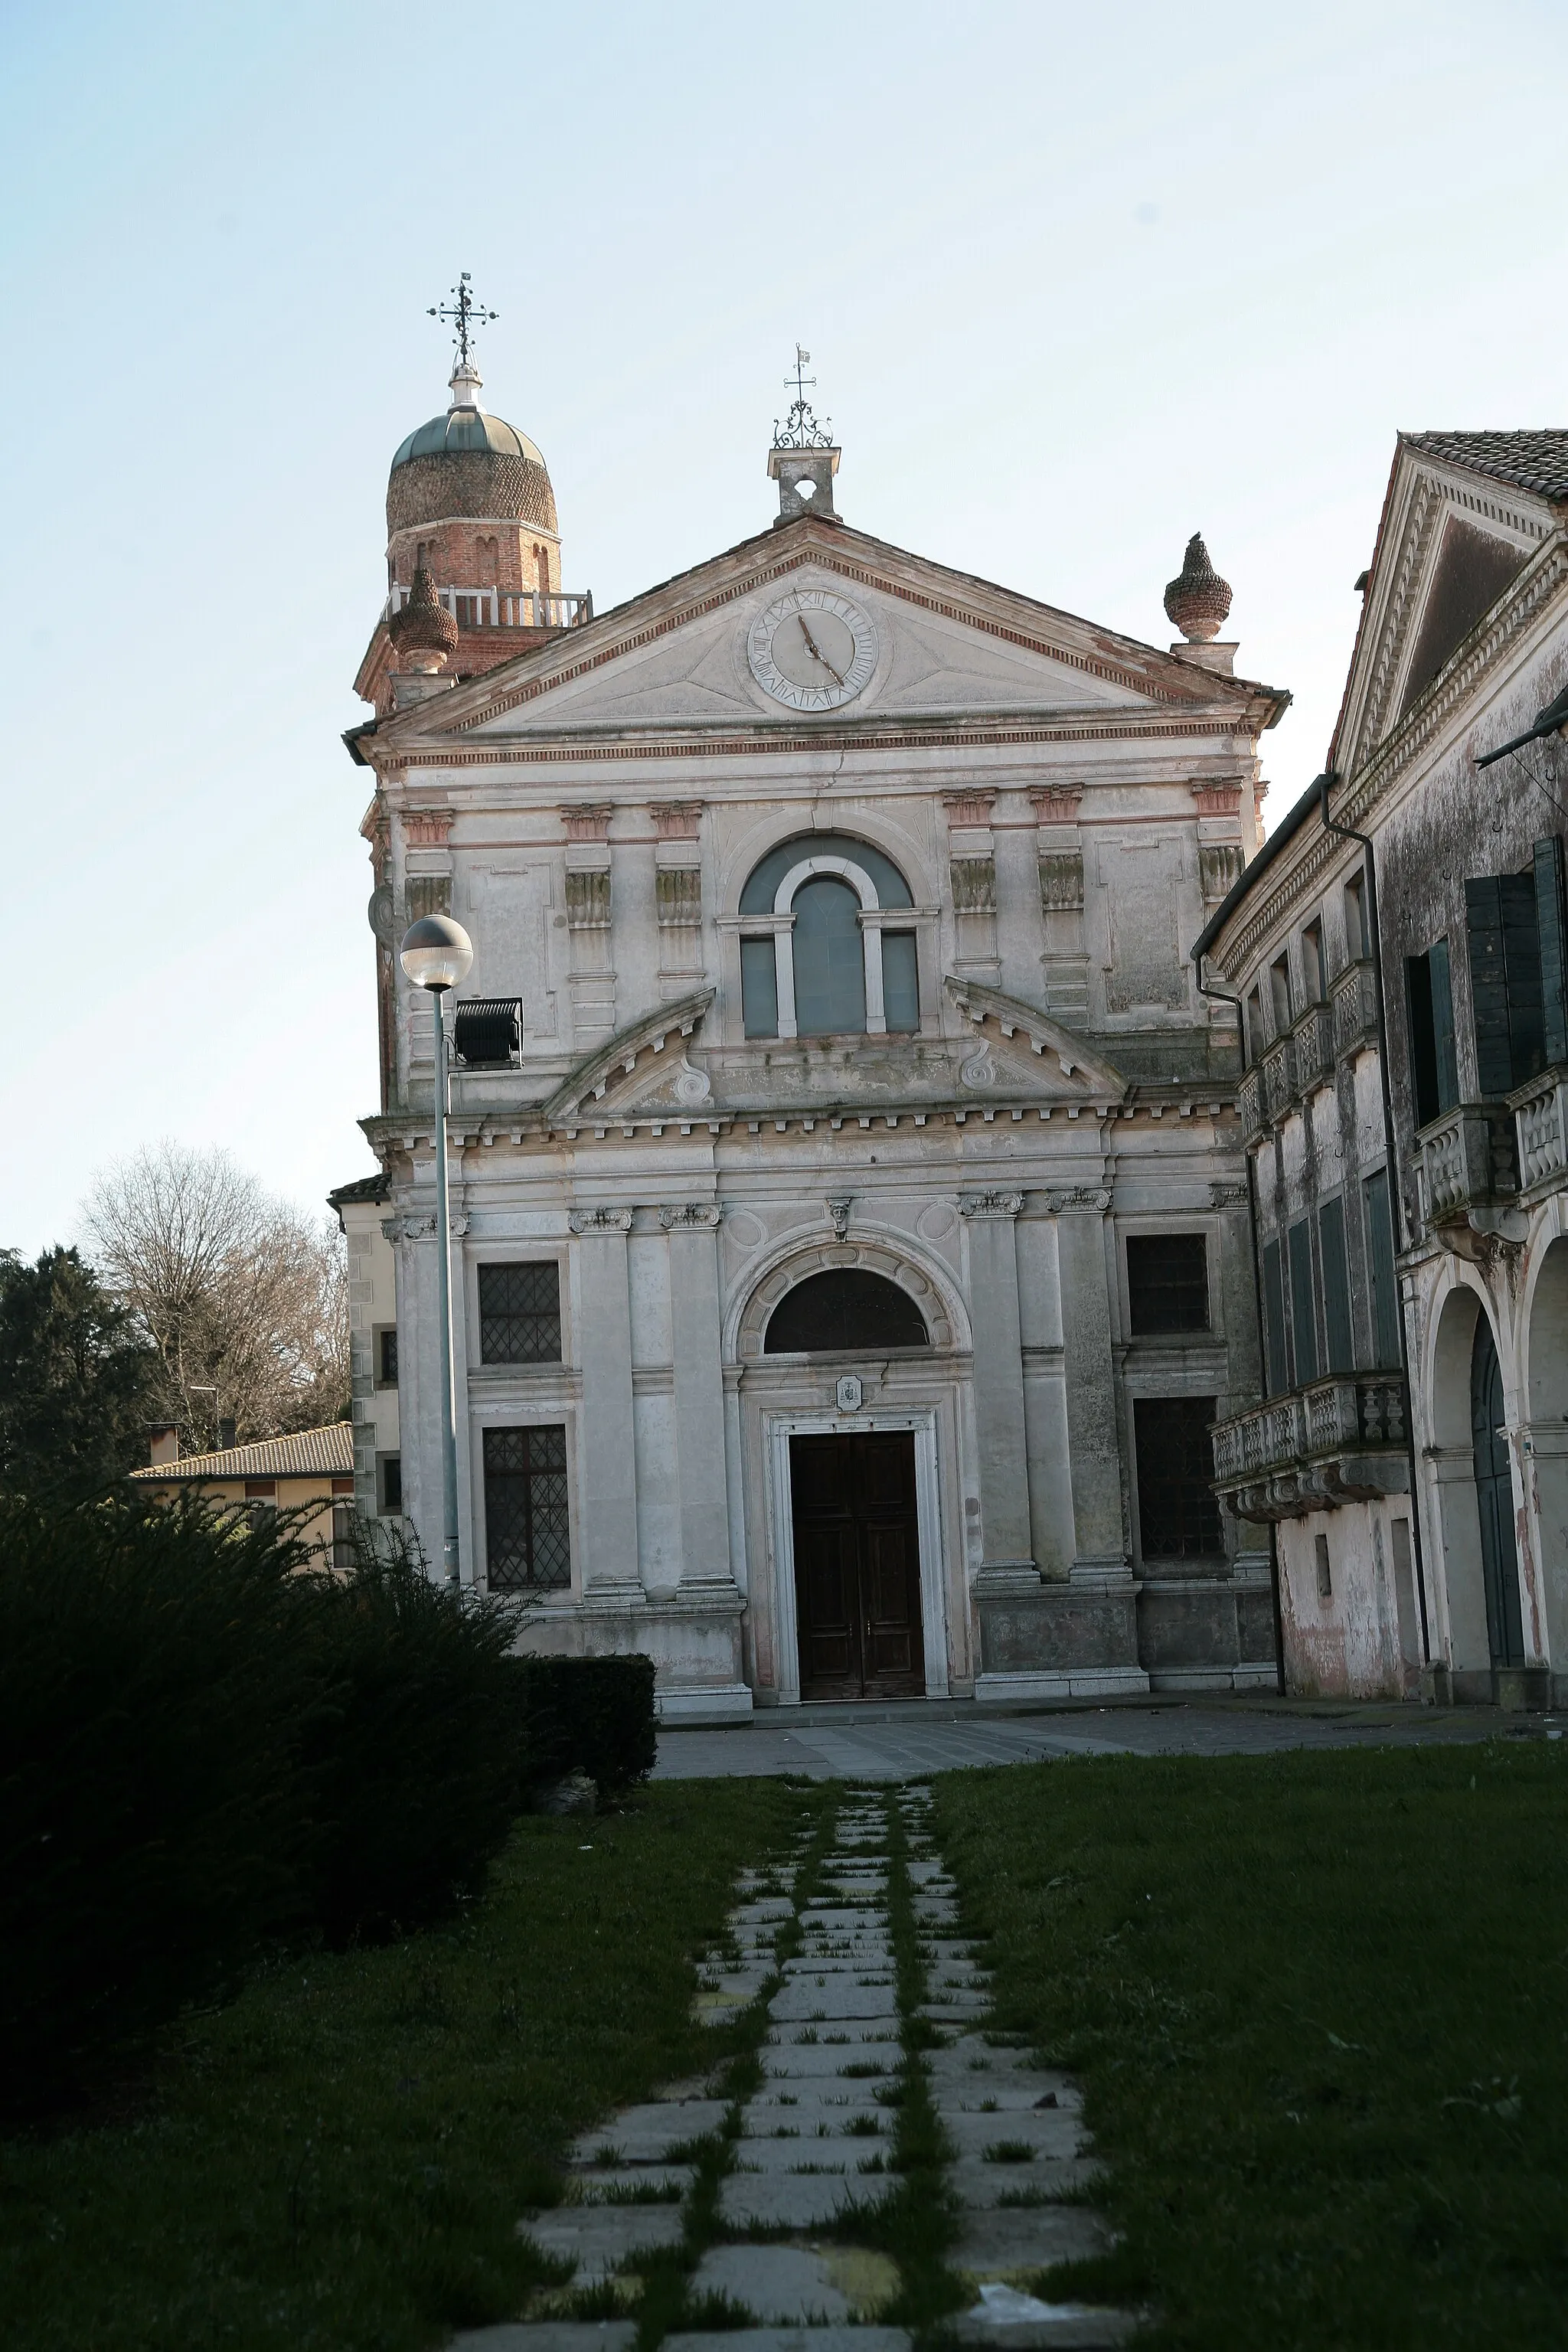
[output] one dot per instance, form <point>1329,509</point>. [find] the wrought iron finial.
<point>464,313</point>
<point>801,430</point>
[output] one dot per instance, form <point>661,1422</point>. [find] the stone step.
<point>647,2134</point>
<point>1049,2131</point>
<point>793,2200</point>
<point>801,2062</point>
<point>980,2186</point>
<point>600,2238</point>
<point>786,2283</point>
<point>805,2002</point>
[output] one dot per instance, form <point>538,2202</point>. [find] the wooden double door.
<point>857,1566</point>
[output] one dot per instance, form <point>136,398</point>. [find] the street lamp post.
<point>435,954</point>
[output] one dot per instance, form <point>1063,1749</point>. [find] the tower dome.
<point>467,465</point>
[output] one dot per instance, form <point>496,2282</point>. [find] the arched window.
<point>542,564</point>
<point>819,957</point>
<point>845,1307</point>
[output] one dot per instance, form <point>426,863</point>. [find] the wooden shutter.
<point>1274,1319</point>
<point>1552,933</point>
<point>1443,1025</point>
<point>1303,1316</point>
<point>1384,1277</point>
<point>1505,980</point>
<point>1336,1287</point>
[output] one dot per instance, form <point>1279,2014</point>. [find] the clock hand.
<point>812,648</point>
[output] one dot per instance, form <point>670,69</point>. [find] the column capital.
<point>990,1204</point>
<point>690,1216</point>
<point>1228,1196</point>
<point>407,1229</point>
<point>1093,1197</point>
<point>600,1221</point>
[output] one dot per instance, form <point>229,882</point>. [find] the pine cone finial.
<point>424,632</point>
<point>1197,600</point>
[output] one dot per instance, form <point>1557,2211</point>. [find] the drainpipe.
<point>1395,1194</point>
<point>1205,990</point>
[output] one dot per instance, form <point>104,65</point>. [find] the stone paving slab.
<point>805,2002</point>
<point>792,2339</point>
<point>1050,2131</point>
<point>549,2335</point>
<point>646,2135</point>
<point>1028,2238</point>
<point>797,2201</point>
<point>773,2282</point>
<point>979,2185</point>
<point>600,2238</point>
<point>798,2062</point>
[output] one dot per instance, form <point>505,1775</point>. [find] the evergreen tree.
<point>75,1380</point>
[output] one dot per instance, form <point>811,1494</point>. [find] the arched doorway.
<point>1494,1496</point>
<point>1548,1446</point>
<point>853,1501</point>
<point>1450,1462</point>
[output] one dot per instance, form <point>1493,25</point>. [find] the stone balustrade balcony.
<point>1465,1164</point>
<point>1278,1078</point>
<point>1540,1129</point>
<point>1354,1001</point>
<point>503,608</point>
<point>1313,1045</point>
<point>1339,1440</point>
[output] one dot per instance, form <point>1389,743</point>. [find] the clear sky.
<point>1076,282</point>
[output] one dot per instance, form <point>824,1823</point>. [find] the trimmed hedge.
<point>209,1748</point>
<point>595,1715</point>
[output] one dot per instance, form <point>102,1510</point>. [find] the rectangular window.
<point>1303,1319</point>
<point>1312,971</point>
<point>900,980</point>
<point>1274,1319</point>
<point>527,1539</point>
<point>1434,1069</point>
<point>1505,980</point>
<point>386,1357</point>
<point>1385,1280</point>
<point>1336,1286</point>
<point>1167,1283</point>
<point>1325,1574</point>
<point>519,1313</point>
<point>343,1539</point>
<point>1255,1041</point>
<point>760,987</point>
<point>1279,989</point>
<point>1178,1517</point>
<point>389,1484</point>
<point>1357,941</point>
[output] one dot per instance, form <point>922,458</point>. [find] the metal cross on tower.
<point>465,314</point>
<point>802,431</point>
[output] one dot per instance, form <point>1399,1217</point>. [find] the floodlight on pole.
<point>436,954</point>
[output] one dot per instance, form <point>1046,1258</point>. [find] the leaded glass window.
<point>528,1539</point>
<point>519,1313</point>
<point>1178,1516</point>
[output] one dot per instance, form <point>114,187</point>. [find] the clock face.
<point>812,650</point>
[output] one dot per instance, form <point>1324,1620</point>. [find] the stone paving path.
<point>765,2189</point>
<point>918,1737</point>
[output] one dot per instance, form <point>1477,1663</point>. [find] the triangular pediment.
<point>942,647</point>
<point>1018,1041</point>
<point>1452,541</point>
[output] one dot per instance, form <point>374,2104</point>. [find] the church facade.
<point>851,1221</point>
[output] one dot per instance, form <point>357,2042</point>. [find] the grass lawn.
<point>339,2158</point>
<point>1319,2004</point>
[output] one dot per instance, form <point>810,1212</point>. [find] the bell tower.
<point>803,459</point>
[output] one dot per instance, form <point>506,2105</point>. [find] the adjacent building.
<point>849,1197</point>
<point>1397,951</point>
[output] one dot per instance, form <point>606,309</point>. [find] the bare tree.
<point>245,1298</point>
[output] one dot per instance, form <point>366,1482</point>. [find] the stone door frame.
<point>778,1428</point>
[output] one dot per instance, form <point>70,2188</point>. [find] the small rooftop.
<point>1534,461</point>
<point>303,1454</point>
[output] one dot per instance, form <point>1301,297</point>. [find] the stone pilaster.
<point>693,1231</point>
<point>1006,1559</point>
<point>1100,1517</point>
<point>608,1432</point>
